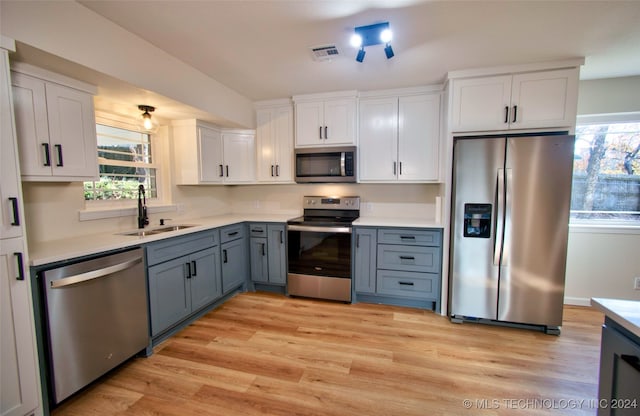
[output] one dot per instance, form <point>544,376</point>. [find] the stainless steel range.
<point>319,248</point>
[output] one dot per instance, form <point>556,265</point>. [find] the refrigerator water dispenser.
<point>477,220</point>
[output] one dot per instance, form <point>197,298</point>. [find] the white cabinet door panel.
<point>480,104</point>
<point>419,138</point>
<point>239,157</point>
<point>72,132</point>
<point>211,163</point>
<point>283,144</point>
<point>340,121</point>
<point>310,123</point>
<point>544,99</point>
<point>18,377</point>
<point>378,139</point>
<point>32,127</point>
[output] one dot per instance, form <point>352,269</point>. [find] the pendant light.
<point>148,125</point>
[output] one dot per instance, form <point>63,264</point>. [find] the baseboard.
<point>577,301</point>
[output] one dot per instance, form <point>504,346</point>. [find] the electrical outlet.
<point>636,284</point>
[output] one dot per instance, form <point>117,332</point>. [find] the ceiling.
<point>261,49</point>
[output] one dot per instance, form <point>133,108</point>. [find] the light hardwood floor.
<point>264,354</point>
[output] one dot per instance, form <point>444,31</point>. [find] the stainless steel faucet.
<point>143,219</point>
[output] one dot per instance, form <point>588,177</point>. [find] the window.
<point>126,160</point>
<point>606,171</point>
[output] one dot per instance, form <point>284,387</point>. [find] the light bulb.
<point>385,36</point>
<point>356,40</point>
<point>147,121</point>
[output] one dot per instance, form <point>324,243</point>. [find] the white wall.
<point>73,32</point>
<point>602,262</point>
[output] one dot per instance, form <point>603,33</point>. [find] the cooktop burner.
<point>327,211</point>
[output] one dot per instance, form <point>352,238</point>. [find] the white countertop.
<point>624,312</point>
<point>370,221</point>
<point>69,248</point>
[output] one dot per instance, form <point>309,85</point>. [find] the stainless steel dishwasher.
<point>96,318</point>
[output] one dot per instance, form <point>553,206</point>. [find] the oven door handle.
<point>314,229</point>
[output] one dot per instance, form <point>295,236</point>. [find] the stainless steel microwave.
<point>326,164</point>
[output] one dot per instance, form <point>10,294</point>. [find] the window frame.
<point>117,121</point>
<point>606,118</point>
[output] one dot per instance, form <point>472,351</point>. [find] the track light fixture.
<point>148,124</point>
<point>377,34</point>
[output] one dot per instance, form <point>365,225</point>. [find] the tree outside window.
<point>606,173</point>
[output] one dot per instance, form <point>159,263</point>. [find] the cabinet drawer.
<point>232,232</point>
<point>407,284</point>
<point>410,237</point>
<point>409,258</point>
<point>257,229</point>
<point>172,248</point>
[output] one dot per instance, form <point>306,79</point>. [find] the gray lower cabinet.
<point>400,266</point>
<point>365,260</point>
<point>268,253</point>
<point>183,277</point>
<point>233,250</point>
<point>619,371</point>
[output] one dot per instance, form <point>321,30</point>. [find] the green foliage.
<point>107,188</point>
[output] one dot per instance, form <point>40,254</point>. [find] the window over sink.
<point>126,160</point>
<point>606,170</point>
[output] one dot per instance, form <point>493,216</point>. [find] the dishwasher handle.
<point>94,274</point>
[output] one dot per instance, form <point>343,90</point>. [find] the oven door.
<point>319,262</point>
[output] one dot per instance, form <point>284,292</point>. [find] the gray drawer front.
<point>407,284</point>
<point>409,236</point>
<point>409,258</point>
<point>232,232</point>
<point>257,229</point>
<point>172,248</point>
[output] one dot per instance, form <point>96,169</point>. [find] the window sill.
<point>604,228</point>
<point>100,214</point>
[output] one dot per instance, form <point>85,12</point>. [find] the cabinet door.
<point>340,121</point>
<point>265,145</point>
<point>283,144</point>
<point>419,138</point>
<point>259,262</point>
<point>378,150</point>
<point>72,132</point>
<point>206,285</point>
<point>19,377</point>
<point>310,124</point>
<point>544,99</point>
<point>277,254</point>
<point>239,157</point>
<point>234,264</point>
<point>32,127</point>
<point>365,260</point>
<point>10,195</point>
<point>210,155</point>
<point>480,104</point>
<point>169,296</point>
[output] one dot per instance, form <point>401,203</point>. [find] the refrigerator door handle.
<point>497,247</point>
<point>508,204</point>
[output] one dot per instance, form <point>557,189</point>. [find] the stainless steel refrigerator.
<point>510,219</point>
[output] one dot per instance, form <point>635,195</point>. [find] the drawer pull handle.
<point>406,283</point>
<point>58,147</point>
<point>232,234</point>
<point>194,272</point>
<point>407,237</point>
<point>47,155</point>
<point>224,256</point>
<point>632,360</point>
<point>16,210</point>
<point>263,251</point>
<point>257,230</point>
<point>407,258</point>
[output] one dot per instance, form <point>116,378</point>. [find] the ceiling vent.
<point>325,52</point>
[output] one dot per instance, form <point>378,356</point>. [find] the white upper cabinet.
<point>55,126</point>
<point>274,143</point>
<point>204,154</point>
<point>400,138</point>
<point>10,191</point>
<point>325,120</point>
<point>516,101</point>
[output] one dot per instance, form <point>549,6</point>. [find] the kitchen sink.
<point>144,233</point>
